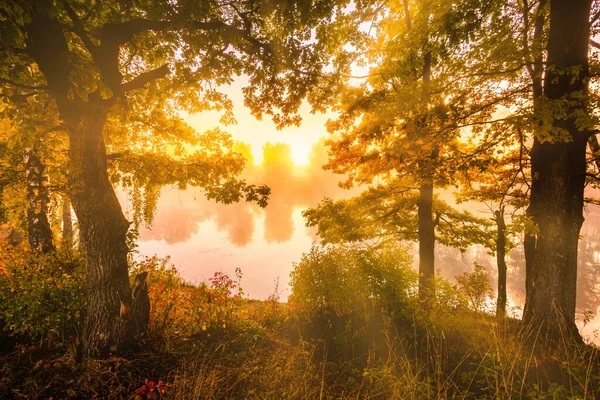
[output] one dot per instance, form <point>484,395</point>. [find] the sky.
<point>257,133</point>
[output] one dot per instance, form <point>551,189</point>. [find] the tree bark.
<point>501,261</point>
<point>67,224</point>
<point>426,241</point>
<point>103,230</point>
<point>529,244</point>
<point>425,211</point>
<point>39,231</point>
<point>558,170</point>
<point>535,70</point>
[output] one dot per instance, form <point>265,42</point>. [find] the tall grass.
<point>207,343</point>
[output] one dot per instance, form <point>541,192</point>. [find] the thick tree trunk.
<point>501,261</point>
<point>67,224</point>
<point>426,241</point>
<point>558,171</point>
<point>103,228</point>
<point>38,228</point>
<point>535,70</point>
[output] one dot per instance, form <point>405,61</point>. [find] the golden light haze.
<point>257,133</point>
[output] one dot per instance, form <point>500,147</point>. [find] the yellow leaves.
<point>104,91</point>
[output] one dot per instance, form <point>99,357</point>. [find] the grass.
<point>211,343</point>
<point>272,353</point>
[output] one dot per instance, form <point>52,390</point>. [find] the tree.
<point>402,126</point>
<point>505,181</point>
<point>130,66</point>
<point>24,174</point>
<point>558,167</point>
<point>387,214</point>
<point>539,51</point>
<point>39,231</point>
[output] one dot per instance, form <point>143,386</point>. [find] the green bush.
<point>347,279</point>
<point>476,288</point>
<point>42,297</point>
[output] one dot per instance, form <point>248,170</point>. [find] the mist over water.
<point>203,237</point>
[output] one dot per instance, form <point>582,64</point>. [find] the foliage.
<point>348,279</point>
<point>138,66</point>
<point>42,297</point>
<point>152,390</point>
<point>459,355</point>
<point>476,287</point>
<point>442,353</point>
<point>179,309</point>
<point>389,213</point>
<point>448,298</point>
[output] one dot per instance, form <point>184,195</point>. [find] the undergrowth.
<point>365,337</point>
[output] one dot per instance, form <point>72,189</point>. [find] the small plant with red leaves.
<point>151,390</point>
<point>221,282</point>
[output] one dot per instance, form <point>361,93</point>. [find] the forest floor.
<point>358,333</point>
<point>269,353</point>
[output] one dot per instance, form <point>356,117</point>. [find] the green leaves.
<point>42,297</point>
<point>350,280</point>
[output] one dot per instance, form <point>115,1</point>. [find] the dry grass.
<point>270,352</point>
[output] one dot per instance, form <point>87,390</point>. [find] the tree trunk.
<point>529,251</point>
<point>426,241</point>
<point>535,70</point>
<point>501,261</point>
<point>558,170</point>
<point>103,230</point>
<point>38,228</point>
<point>102,226</point>
<point>425,211</point>
<point>67,224</point>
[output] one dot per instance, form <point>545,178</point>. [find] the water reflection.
<point>202,236</point>
<point>179,213</point>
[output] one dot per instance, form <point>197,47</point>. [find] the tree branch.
<point>121,33</point>
<point>595,147</point>
<point>144,78</point>
<point>79,29</point>
<point>595,18</point>
<point>21,86</point>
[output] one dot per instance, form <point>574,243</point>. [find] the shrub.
<point>350,294</point>
<point>42,296</point>
<point>178,308</point>
<point>476,287</point>
<point>347,279</point>
<point>165,292</point>
<point>447,297</point>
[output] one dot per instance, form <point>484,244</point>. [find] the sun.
<point>300,155</point>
